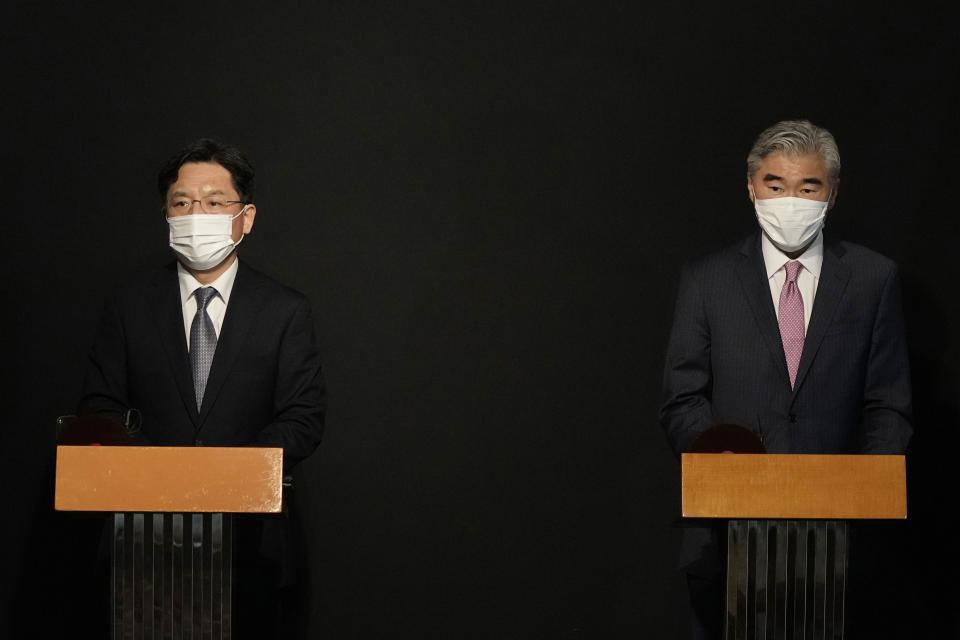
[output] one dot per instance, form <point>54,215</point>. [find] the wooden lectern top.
<point>180,479</point>
<point>782,486</point>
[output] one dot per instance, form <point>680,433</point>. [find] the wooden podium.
<point>787,534</point>
<point>172,531</point>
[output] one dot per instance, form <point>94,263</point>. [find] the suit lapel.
<point>833,282</point>
<point>756,288</point>
<point>246,300</point>
<point>168,316</point>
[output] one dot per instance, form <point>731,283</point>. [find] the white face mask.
<point>203,240</point>
<point>790,223</point>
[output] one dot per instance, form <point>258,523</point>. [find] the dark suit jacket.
<point>265,385</point>
<point>725,361</point>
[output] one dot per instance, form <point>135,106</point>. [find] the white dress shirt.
<point>216,306</point>
<point>807,278</point>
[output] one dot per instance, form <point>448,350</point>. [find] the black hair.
<point>227,156</point>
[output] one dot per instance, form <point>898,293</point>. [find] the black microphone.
<point>727,438</point>
<point>104,429</point>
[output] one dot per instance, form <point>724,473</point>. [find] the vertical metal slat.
<point>227,605</point>
<point>196,582</point>
<point>839,579</point>
<point>799,578</point>
<point>138,585</point>
<point>760,580</point>
<point>216,575</point>
<point>818,577</point>
<point>206,598</point>
<point>780,599</point>
<point>176,620</point>
<point>128,577</point>
<point>116,577</point>
<point>829,593</point>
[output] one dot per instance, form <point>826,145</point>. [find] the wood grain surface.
<point>187,479</point>
<point>793,486</point>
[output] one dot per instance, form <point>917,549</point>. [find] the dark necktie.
<point>203,342</point>
<point>790,317</point>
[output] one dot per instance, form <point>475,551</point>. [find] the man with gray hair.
<point>795,337</point>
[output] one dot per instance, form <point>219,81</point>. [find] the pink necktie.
<point>790,317</point>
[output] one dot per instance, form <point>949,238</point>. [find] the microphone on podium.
<point>99,429</point>
<point>727,438</point>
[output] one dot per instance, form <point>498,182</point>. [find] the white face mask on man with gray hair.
<point>791,223</point>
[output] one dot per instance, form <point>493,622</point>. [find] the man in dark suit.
<point>796,337</point>
<point>209,352</point>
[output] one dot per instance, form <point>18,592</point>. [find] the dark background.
<point>487,205</point>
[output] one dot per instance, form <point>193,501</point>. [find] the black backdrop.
<point>487,205</point>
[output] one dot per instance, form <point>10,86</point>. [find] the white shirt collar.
<point>774,259</point>
<point>223,284</point>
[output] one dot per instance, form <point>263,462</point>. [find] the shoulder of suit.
<point>860,259</point>
<point>853,251</point>
<point>267,284</point>
<point>143,282</point>
<point>724,259</point>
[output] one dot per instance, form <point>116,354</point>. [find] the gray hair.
<point>796,138</point>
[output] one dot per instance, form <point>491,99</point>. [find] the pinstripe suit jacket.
<point>725,364</point>
<point>725,361</point>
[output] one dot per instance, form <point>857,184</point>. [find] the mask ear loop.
<point>242,235</point>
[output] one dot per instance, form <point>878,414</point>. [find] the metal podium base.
<point>171,576</point>
<point>786,579</point>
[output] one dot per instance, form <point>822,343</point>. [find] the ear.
<point>248,215</point>
<point>750,193</point>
